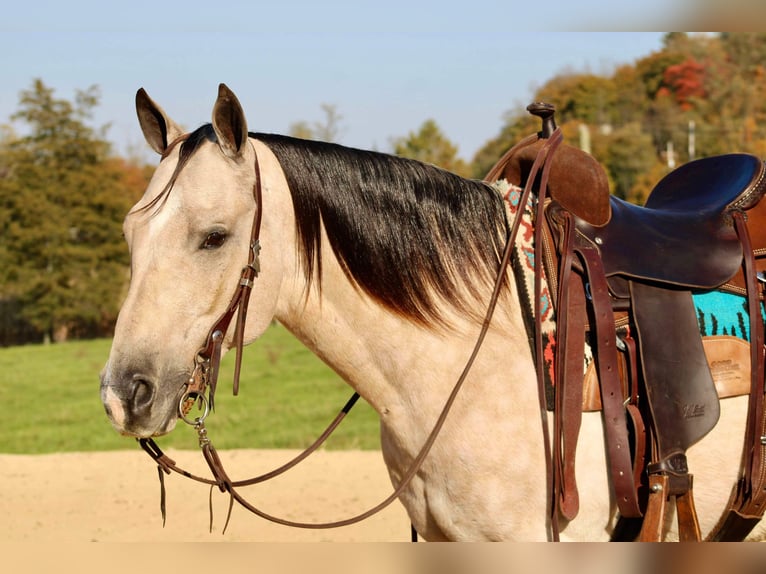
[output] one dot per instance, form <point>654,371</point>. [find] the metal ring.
<point>196,397</point>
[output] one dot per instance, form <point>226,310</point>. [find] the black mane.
<point>407,233</point>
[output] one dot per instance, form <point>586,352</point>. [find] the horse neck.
<point>383,356</point>
<point>336,321</point>
<point>349,332</point>
<point>389,359</point>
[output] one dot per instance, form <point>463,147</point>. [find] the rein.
<point>207,361</point>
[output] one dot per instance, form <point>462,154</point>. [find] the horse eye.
<point>214,240</point>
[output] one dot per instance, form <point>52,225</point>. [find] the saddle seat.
<point>684,235</point>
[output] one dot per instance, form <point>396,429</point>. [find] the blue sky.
<point>385,66</point>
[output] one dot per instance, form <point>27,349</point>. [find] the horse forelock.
<point>189,144</point>
<point>410,235</point>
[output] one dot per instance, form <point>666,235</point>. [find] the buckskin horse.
<point>395,273</point>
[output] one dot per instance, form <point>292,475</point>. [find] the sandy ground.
<point>115,497</point>
<point>53,506</point>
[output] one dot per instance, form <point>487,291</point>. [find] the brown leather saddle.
<point>616,264</point>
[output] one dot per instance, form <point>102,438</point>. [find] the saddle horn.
<point>577,181</point>
<point>545,112</point>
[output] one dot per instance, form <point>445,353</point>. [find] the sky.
<point>386,67</point>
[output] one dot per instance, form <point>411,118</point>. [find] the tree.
<point>430,145</point>
<point>645,182</point>
<point>737,89</point>
<point>583,97</point>
<point>517,126</point>
<point>61,202</point>
<point>651,70</point>
<point>709,85</point>
<point>626,153</point>
<point>328,131</point>
<point>631,101</point>
<point>685,82</point>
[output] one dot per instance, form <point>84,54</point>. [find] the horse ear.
<point>229,122</point>
<point>159,130</point>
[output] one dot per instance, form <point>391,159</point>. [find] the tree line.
<point>699,95</point>
<point>64,193</point>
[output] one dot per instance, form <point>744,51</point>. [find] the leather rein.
<point>207,361</point>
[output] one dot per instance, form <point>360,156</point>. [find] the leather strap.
<point>499,167</point>
<point>615,422</point>
<point>633,408</point>
<point>754,456</point>
<point>207,360</point>
<point>542,161</point>
<point>570,337</point>
<point>747,501</point>
<point>168,465</point>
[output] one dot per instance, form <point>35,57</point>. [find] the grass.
<point>50,401</point>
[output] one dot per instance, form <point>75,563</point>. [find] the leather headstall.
<point>208,358</point>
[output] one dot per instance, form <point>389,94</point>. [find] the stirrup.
<point>665,484</point>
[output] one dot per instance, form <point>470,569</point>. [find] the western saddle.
<point>622,277</point>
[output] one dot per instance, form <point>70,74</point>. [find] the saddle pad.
<point>523,264</point>
<point>729,361</point>
<point>725,328</point>
<point>722,313</point>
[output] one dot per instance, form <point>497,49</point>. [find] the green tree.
<point>631,101</point>
<point>516,127</point>
<point>644,182</point>
<point>430,145</point>
<point>586,98</point>
<point>626,153</point>
<point>735,115</point>
<point>62,201</point>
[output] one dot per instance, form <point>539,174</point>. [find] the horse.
<point>383,267</point>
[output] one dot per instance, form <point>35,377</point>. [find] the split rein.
<point>207,360</point>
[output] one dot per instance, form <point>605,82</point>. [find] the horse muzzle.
<point>136,404</point>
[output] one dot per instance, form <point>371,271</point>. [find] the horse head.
<point>188,238</point>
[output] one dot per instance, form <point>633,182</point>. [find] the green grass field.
<point>49,398</point>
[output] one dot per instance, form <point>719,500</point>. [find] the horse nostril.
<point>142,392</point>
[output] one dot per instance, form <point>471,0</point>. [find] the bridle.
<point>207,361</point>
<point>208,358</point>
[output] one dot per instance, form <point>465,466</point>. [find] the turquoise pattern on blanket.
<point>721,313</point>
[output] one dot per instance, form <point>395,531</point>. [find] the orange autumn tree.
<point>685,82</point>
